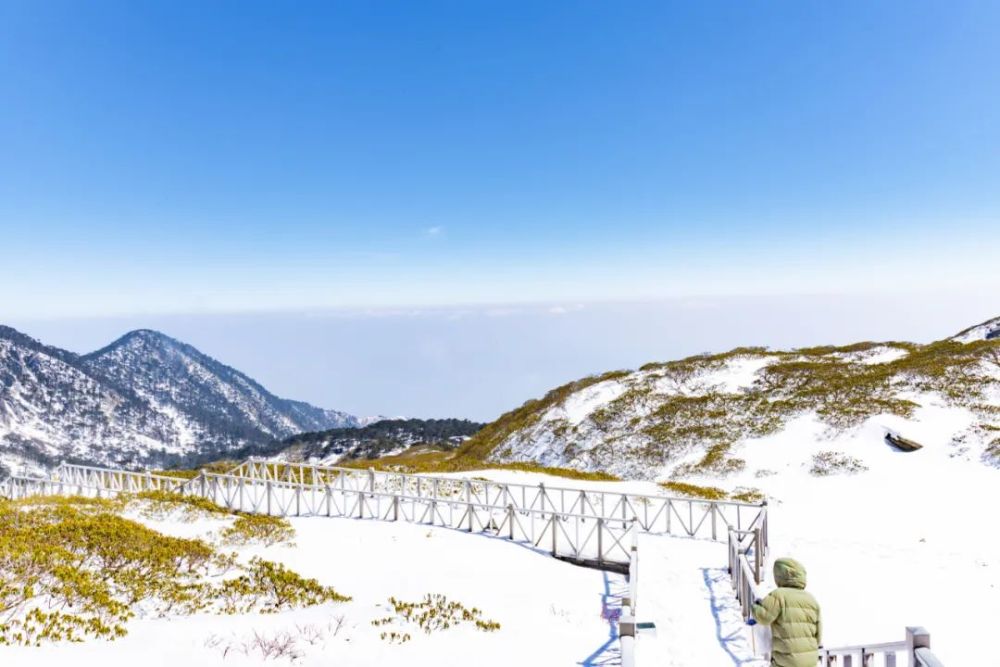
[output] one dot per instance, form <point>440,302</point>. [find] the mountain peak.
<point>142,336</point>
<point>988,330</point>
<point>144,397</point>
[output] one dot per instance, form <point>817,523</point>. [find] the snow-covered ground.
<point>909,541</point>
<point>550,612</point>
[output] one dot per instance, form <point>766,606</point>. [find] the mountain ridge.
<point>145,398</point>
<point>690,418</point>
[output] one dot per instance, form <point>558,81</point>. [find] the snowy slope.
<point>690,418</point>
<point>550,612</point>
<point>143,399</point>
<point>990,329</point>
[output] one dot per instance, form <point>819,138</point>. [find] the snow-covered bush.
<point>258,529</point>
<point>435,612</point>
<point>72,568</point>
<point>832,463</point>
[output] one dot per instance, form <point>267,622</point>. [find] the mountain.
<point>389,436</point>
<point>988,330</point>
<point>145,399</point>
<point>696,418</point>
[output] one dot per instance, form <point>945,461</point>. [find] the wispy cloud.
<point>436,230</point>
<point>564,310</point>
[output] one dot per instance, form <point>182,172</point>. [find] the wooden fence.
<point>580,537</point>
<point>915,649</point>
<point>656,514</point>
<point>595,528</point>
<point>627,624</point>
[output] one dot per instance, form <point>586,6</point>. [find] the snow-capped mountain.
<point>702,417</point>
<point>146,398</point>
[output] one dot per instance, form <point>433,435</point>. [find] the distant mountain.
<point>693,418</point>
<point>381,438</point>
<point>145,399</point>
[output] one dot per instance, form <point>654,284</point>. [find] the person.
<point>794,616</point>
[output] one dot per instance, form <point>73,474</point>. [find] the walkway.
<point>685,589</point>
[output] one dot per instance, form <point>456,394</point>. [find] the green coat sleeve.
<point>768,610</point>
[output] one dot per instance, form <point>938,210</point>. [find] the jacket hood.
<point>789,573</point>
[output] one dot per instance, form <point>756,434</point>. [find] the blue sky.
<point>200,158</point>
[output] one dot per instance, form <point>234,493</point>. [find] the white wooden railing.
<point>596,528</point>
<point>627,624</point>
<point>657,514</point>
<point>580,537</point>
<point>915,650</point>
<point>747,555</point>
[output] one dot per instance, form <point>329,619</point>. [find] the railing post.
<point>763,524</point>
<point>600,540</point>
<point>757,555</point>
<point>714,510</point>
<point>371,479</point>
<point>395,508</point>
<point>510,519</point>
<point>916,637</point>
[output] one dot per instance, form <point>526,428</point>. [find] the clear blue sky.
<point>166,159</point>
<point>192,156</point>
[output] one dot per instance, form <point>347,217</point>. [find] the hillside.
<point>690,419</point>
<point>145,399</point>
<point>371,441</point>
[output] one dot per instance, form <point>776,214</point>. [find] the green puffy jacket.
<point>794,617</point>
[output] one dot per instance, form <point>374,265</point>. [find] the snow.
<point>911,541</point>
<point>550,612</point>
<point>581,404</point>
<point>737,374</point>
<point>685,589</point>
<point>978,332</point>
<point>879,355</point>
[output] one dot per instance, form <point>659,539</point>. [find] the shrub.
<point>271,587</point>
<point>159,504</point>
<point>70,568</point>
<point>706,492</point>
<point>747,495</point>
<point>434,612</point>
<point>830,463</point>
<point>258,529</point>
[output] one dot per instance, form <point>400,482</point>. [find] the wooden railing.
<point>747,554</point>
<point>580,537</point>
<point>657,514</point>
<point>915,650</point>
<point>594,528</point>
<point>627,624</point>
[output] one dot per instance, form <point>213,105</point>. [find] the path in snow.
<point>685,589</point>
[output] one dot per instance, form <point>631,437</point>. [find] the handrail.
<point>916,647</point>
<point>453,480</point>
<point>657,514</point>
<point>627,622</point>
<point>926,659</point>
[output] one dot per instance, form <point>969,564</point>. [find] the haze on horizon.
<point>445,209</point>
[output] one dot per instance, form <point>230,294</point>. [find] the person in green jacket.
<point>794,617</point>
